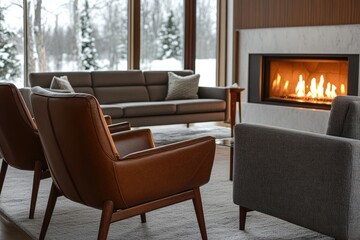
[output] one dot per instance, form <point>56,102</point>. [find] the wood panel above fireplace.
<point>302,80</point>
<point>286,13</point>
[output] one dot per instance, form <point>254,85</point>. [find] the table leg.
<point>231,162</point>
<point>232,113</point>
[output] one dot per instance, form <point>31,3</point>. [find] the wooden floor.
<point>10,231</point>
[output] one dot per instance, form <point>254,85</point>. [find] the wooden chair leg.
<point>243,212</point>
<point>54,194</point>
<point>35,188</point>
<point>4,167</point>
<point>143,218</point>
<point>199,213</point>
<point>106,215</point>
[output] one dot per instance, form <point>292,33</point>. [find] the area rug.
<point>175,133</point>
<point>74,221</point>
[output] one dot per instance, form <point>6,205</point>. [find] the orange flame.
<point>316,89</point>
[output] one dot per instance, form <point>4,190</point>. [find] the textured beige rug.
<point>74,221</point>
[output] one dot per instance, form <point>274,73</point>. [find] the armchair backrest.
<point>78,145</point>
<point>344,120</point>
<point>19,143</point>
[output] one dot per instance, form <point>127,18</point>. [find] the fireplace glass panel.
<point>306,80</point>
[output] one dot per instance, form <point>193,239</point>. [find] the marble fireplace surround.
<point>337,39</point>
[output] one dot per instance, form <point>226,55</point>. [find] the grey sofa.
<point>139,96</point>
<point>312,180</point>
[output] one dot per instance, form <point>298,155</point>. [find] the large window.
<point>206,35</point>
<point>75,35</point>
<point>162,34</point>
<point>11,42</point>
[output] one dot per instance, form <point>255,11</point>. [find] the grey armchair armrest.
<point>309,179</point>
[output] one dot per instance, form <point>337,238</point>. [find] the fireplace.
<point>302,80</point>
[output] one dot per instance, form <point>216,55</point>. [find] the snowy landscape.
<point>73,35</point>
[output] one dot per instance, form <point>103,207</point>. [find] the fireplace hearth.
<point>302,80</point>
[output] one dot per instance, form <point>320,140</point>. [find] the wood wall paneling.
<point>286,13</point>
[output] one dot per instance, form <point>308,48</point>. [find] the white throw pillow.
<point>182,87</point>
<point>61,83</point>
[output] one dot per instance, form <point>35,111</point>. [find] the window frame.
<point>134,38</point>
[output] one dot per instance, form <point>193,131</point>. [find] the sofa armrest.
<point>298,176</point>
<point>213,93</point>
<point>222,93</point>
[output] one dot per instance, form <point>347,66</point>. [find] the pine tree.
<point>9,64</point>
<point>170,41</point>
<point>88,50</point>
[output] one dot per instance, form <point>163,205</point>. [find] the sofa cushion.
<point>119,86</point>
<point>80,81</point>
<point>114,110</point>
<point>157,82</point>
<point>182,87</point>
<point>117,78</point>
<point>109,95</point>
<point>141,109</point>
<point>198,105</point>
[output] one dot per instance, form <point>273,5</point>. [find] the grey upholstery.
<point>312,180</point>
<point>157,82</point>
<point>139,97</point>
<point>342,114</point>
<point>80,81</point>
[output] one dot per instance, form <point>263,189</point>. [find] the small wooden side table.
<point>235,96</point>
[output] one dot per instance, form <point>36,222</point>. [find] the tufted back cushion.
<point>344,120</point>
<point>157,83</point>
<point>119,86</point>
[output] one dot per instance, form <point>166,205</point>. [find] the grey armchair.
<point>309,179</point>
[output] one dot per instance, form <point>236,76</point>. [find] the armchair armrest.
<point>285,172</point>
<point>132,141</point>
<point>108,119</point>
<point>165,170</point>
<point>119,127</point>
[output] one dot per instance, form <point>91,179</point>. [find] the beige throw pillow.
<point>61,83</point>
<point>182,87</point>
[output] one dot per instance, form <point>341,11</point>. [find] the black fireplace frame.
<point>259,69</point>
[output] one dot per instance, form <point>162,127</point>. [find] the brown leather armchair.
<point>123,174</point>
<point>20,144</point>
